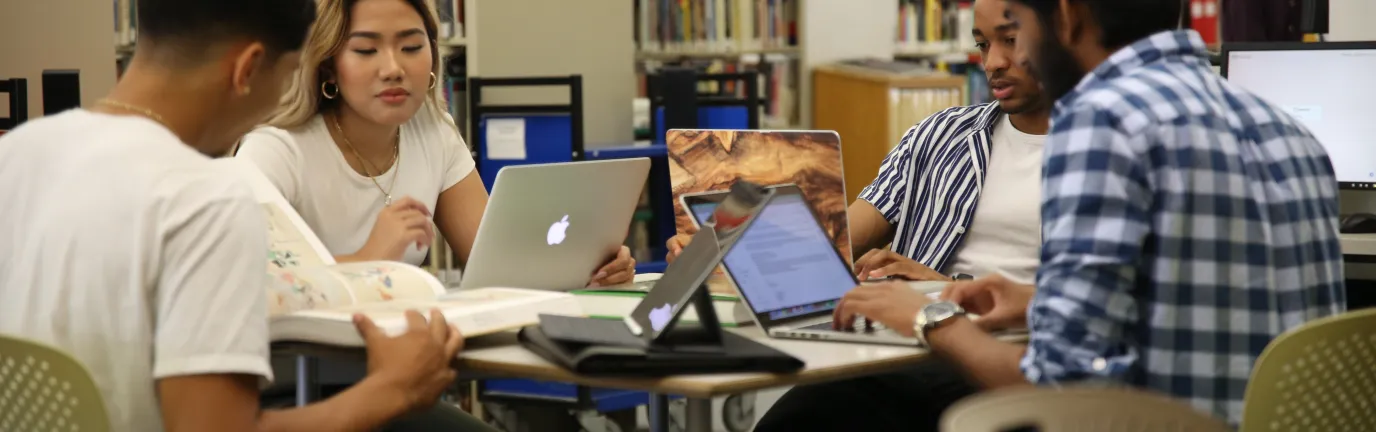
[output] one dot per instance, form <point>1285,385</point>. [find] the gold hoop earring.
<point>326,93</point>
<point>433,80</point>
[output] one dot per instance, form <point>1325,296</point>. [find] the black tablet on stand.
<point>653,340</point>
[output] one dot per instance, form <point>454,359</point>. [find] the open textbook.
<point>311,298</point>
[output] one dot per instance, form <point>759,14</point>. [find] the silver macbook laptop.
<point>789,274</point>
<point>551,226</point>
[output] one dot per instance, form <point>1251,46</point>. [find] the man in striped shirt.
<point>1187,222</point>
<point>958,195</point>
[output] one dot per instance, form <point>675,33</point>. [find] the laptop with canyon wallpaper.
<point>712,160</point>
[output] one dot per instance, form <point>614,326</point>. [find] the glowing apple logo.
<point>659,317</point>
<point>557,231</point>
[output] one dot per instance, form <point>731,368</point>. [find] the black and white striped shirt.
<point>929,184</point>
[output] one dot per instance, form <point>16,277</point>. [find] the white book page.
<point>291,241</point>
<point>382,281</point>
<point>292,290</point>
<point>463,303</point>
<point>475,312</point>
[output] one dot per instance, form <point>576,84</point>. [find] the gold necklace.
<point>396,159</point>
<point>135,109</point>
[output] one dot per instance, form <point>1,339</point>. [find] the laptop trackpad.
<point>588,331</point>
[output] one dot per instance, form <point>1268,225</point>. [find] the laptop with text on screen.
<point>789,274</point>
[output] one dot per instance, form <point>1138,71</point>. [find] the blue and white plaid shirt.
<point>1186,224</point>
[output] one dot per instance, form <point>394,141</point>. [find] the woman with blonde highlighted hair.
<point>363,148</point>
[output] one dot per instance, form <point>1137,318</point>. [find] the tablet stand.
<point>704,337</point>
<point>585,346</point>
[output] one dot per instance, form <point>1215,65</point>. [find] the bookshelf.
<point>782,39</point>
<point>934,27</point>
<point>788,39</point>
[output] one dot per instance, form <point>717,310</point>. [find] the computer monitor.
<point>1327,86</point>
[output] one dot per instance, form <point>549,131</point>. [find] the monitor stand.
<point>703,337</point>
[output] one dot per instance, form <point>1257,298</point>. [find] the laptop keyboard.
<point>857,327</point>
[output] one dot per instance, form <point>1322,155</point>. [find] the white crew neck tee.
<point>1005,235</point>
<point>133,253</point>
<point>340,204</point>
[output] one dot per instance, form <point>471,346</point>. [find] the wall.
<point>835,30</point>
<point>593,38</point>
<point>1350,20</point>
<point>59,34</point>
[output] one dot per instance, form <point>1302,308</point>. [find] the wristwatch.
<point>933,316</point>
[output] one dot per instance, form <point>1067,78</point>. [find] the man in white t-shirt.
<point>126,248</point>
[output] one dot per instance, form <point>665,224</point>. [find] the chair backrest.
<point>1320,376</point>
<point>1075,409</point>
<point>43,388</point>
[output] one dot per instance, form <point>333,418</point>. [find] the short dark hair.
<point>1122,21</point>
<point>192,25</point>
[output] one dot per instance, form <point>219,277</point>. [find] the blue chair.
<point>550,133</point>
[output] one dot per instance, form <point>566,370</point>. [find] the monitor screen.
<point>1328,90</point>
<point>784,264</point>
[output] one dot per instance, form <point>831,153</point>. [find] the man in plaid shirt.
<point>1186,222</point>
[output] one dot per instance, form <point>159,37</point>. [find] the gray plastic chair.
<point>1318,377</point>
<point>1075,409</point>
<point>44,389</point>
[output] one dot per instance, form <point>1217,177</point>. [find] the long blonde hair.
<point>303,99</point>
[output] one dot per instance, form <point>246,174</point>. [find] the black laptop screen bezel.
<point>824,308</point>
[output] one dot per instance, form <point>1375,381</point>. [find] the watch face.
<point>937,312</point>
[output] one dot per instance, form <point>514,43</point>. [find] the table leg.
<point>658,412</point>
<point>699,415</point>
<point>307,380</point>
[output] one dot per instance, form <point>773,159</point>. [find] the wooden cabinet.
<point>871,110</point>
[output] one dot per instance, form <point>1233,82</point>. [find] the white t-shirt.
<point>132,252</point>
<point>340,204</point>
<point>1005,236</point>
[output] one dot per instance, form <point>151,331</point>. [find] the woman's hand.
<point>404,223</point>
<point>621,270</point>
<point>676,244</point>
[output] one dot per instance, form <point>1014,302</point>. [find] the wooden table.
<point>500,356</point>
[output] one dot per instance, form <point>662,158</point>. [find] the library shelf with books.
<point>784,39</point>
<point>724,36</point>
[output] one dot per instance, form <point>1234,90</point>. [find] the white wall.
<point>57,34</point>
<point>1350,20</point>
<point>593,38</point>
<point>834,30</point>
